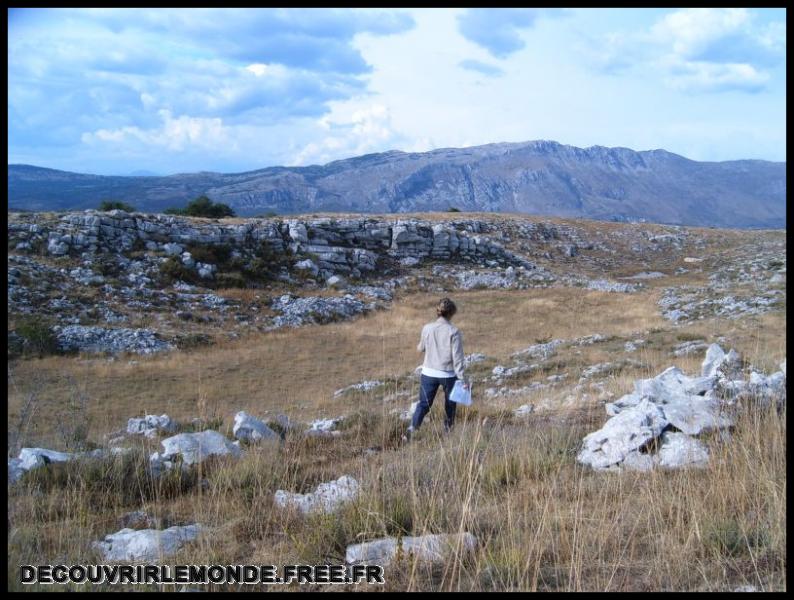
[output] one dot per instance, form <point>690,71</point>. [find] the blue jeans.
<point>427,393</point>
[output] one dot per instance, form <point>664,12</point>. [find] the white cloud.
<point>364,130</point>
<point>691,30</point>
<point>696,50</point>
<point>713,77</point>
<point>175,133</point>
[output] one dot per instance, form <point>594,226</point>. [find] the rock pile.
<point>297,311</point>
<point>667,412</point>
<point>100,339</point>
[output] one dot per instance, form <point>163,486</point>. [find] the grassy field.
<point>542,521</point>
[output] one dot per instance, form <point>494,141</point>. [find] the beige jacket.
<point>442,344</point>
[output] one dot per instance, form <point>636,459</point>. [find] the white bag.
<point>460,394</point>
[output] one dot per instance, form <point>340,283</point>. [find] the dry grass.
<point>297,371</point>
<point>542,521</point>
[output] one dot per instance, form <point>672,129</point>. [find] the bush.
<point>453,209</point>
<point>108,205</point>
<point>37,337</point>
<point>173,270</point>
<point>203,207</point>
<point>216,255</point>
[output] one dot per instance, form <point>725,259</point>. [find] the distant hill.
<point>540,177</point>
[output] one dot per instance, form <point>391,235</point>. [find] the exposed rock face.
<point>146,545</point>
<point>327,498</point>
<point>296,311</point>
<point>339,246</point>
<point>252,429</point>
<point>99,339</point>
<point>424,548</point>
<point>539,177</point>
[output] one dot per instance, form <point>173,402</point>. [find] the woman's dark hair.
<point>446,308</point>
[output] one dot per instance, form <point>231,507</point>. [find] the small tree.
<point>203,207</point>
<point>453,209</point>
<point>107,205</point>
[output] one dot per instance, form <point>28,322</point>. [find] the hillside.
<point>540,177</point>
<point>234,391</point>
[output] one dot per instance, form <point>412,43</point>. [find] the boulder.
<point>149,425</point>
<point>326,498</point>
<point>252,429</point>
<point>680,450</point>
<point>424,548</point>
<point>146,545</point>
<point>194,448</point>
<point>629,430</point>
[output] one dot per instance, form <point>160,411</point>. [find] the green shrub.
<point>453,209</point>
<point>203,207</point>
<point>37,336</point>
<point>216,255</point>
<point>108,205</point>
<point>172,270</point>
<point>193,340</point>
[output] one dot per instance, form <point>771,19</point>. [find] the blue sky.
<point>115,91</point>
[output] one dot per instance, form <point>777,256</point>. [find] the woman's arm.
<point>421,346</point>
<point>457,355</point>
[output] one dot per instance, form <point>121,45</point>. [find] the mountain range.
<point>539,178</point>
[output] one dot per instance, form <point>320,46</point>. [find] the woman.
<point>442,344</point>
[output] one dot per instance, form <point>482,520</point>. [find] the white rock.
<point>326,498</point>
<point>195,447</point>
<point>680,450</point>
<point>637,461</point>
<point>172,249</point>
<point>146,545</point>
<point>624,433</point>
<point>250,428</point>
<point>149,425</point>
<point>426,548</point>
<point>524,410</point>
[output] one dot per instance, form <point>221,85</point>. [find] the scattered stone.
<point>690,347</point>
<point>471,359</point>
<point>252,429</point>
<point>425,548</point>
<point>139,519</point>
<point>150,425</point>
<point>524,410</point>
<point>99,339</point>
<point>146,545</point>
<point>324,427</point>
<point>193,448</point>
<point>543,351</point>
<point>364,386</point>
<point>327,498</point>
<point>297,311</point>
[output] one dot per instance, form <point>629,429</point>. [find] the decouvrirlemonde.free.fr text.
<point>201,574</point>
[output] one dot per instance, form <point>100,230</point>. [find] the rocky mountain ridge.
<point>540,177</point>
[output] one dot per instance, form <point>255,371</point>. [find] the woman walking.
<point>442,344</point>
